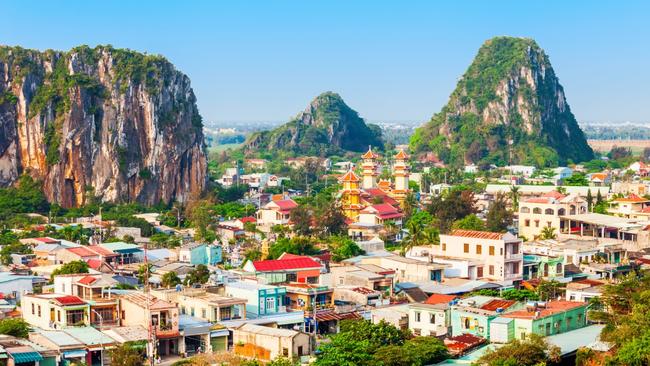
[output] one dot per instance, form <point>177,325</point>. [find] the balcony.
<point>514,256</point>
<point>166,331</point>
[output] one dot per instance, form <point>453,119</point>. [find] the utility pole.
<point>151,331</point>
<point>101,344</point>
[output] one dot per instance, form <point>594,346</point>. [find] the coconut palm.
<point>514,197</point>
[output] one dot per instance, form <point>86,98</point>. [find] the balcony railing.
<point>105,323</point>
<point>514,256</point>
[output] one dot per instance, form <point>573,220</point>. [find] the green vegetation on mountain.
<point>328,126</point>
<point>507,107</point>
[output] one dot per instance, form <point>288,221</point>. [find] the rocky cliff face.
<point>327,126</point>
<point>104,122</point>
<point>508,107</point>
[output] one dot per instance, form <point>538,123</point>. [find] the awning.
<point>74,353</point>
<point>26,357</point>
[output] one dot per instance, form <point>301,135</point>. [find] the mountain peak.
<point>327,126</point>
<point>508,107</point>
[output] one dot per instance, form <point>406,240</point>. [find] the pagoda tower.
<point>265,249</point>
<point>401,172</point>
<point>351,195</point>
<point>369,166</point>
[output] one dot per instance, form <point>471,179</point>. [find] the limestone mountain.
<point>508,107</point>
<point>112,123</point>
<point>327,126</point>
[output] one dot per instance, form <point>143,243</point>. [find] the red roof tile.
<point>440,299</point>
<point>82,252</point>
<point>285,264</point>
<point>381,209</point>
<point>94,263</point>
<point>102,251</point>
<point>401,155</point>
<point>554,194</point>
<point>497,304</point>
<point>47,240</point>
<point>69,300</point>
<point>286,205</point>
<point>248,219</point>
<point>631,198</point>
<point>477,234</point>
<point>87,280</point>
<point>552,307</point>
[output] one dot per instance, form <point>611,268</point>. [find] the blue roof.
<point>126,280</point>
<point>187,321</point>
<point>26,357</point>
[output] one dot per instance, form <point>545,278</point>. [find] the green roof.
<point>26,357</point>
<point>120,246</point>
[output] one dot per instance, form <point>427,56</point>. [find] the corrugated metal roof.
<point>285,264</point>
<point>478,234</point>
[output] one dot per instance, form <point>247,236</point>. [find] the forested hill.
<point>327,126</point>
<point>508,107</point>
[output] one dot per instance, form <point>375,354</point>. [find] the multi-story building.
<point>55,311</point>
<point>266,343</point>
<point>493,256</point>
<point>293,269</point>
<point>547,210</point>
<point>408,269</point>
<point>202,304</point>
<point>200,253</point>
<point>473,315</point>
<point>631,207</point>
<point>429,319</point>
<point>548,318</point>
<point>261,300</point>
<point>144,310</point>
<point>275,213</point>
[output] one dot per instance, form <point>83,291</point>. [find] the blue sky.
<point>390,60</point>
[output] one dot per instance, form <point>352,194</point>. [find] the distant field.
<point>223,147</point>
<point>637,146</point>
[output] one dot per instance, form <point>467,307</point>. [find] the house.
<point>381,213</point>
<point>200,253</point>
<point>261,300</point>
<point>548,318</point>
<point>627,188</point>
<point>357,296</point>
<point>67,255</point>
<point>14,286</point>
<point>639,168</point>
<point>229,233</point>
<point>70,349</point>
<point>363,275</point>
<point>470,169</point>
<point>395,315</point>
<point>572,251</point>
<point>141,309</point>
<point>494,256</point>
<point>295,269</point>
<point>96,291</point>
<point>275,213</point>
<point>55,311</point>
<point>127,253</point>
<point>631,206</point>
<point>599,179</point>
<point>266,343</point>
<point>429,319</point>
<point>584,290</point>
<point>406,269</point>
<point>256,163</point>
<point>230,177</point>
<point>474,314</point>
<point>524,170</point>
<point>539,212</point>
<point>308,297</point>
<point>543,266</point>
<point>561,173</point>
<point>204,305</point>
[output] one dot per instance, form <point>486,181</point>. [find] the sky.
<point>390,60</point>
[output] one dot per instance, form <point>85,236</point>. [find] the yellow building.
<point>351,195</point>
<point>401,172</point>
<point>369,169</point>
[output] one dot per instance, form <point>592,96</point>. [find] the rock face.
<point>508,107</point>
<point>110,123</point>
<point>327,126</point>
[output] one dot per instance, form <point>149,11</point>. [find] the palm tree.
<point>514,197</point>
<point>414,236</point>
<point>548,232</point>
<point>431,236</point>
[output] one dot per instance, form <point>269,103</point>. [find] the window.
<point>300,350</point>
<point>579,318</point>
<point>444,246</point>
<point>479,272</point>
<point>527,222</point>
<point>479,249</point>
<point>58,316</point>
<point>465,248</point>
<point>74,317</point>
<point>285,352</point>
<point>491,250</point>
<point>548,223</point>
<point>537,210</point>
<point>417,332</point>
<point>500,251</point>
<point>536,223</point>
<point>568,323</point>
<point>33,311</point>
<point>525,210</point>
<point>491,270</point>
<point>417,316</point>
<point>39,310</point>
<point>204,313</point>
<point>270,303</point>
<point>432,318</point>
<point>561,212</point>
<point>466,323</point>
<point>549,211</point>
<point>192,311</point>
